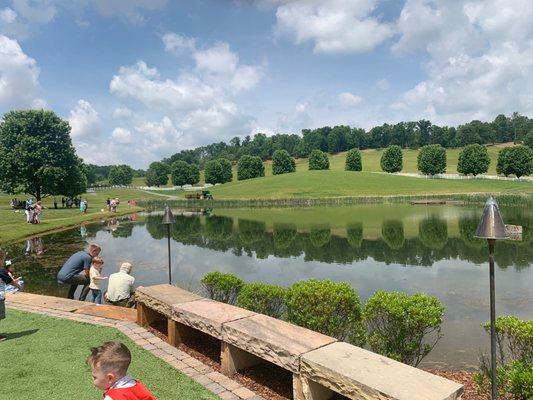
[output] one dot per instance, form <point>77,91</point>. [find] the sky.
<point>140,80</point>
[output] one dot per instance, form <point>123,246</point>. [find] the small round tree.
<point>353,160</point>
<point>474,159</point>
<point>282,163</point>
<point>516,160</point>
<point>392,159</point>
<point>318,160</point>
<point>227,173</point>
<point>120,175</point>
<point>184,173</point>
<point>431,159</point>
<point>218,171</point>
<point>250,167</point>
<point>157,174</point>
<point>528,141</point>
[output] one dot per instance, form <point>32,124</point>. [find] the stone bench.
<point>361,374</point>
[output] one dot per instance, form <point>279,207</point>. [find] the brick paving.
<point>221,385</point>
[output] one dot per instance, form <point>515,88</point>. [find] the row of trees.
<point>342,138</point>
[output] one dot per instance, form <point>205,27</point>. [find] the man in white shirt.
<point>120,290</point>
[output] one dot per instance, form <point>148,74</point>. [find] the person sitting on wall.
<point>120,290</point>
<point>76,269</point>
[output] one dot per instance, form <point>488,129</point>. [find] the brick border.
<point>217,383</point>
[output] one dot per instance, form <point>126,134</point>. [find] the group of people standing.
<point>85,268</point>
<point>33,210</point>
<point>112,204</point>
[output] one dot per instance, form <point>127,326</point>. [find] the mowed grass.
<point>334,183</point>
<point>13,224</point>
<point>44,358</point>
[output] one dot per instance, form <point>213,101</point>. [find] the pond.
<point>400,247</point>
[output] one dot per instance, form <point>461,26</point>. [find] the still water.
<point>400,247</point>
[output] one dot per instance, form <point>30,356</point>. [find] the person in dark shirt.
<point>5,279</point>
<point>76,269</point>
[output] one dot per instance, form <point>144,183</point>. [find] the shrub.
<point>218,171</point>
<point>250,167</point>
<point>516,160</point>
<point>399,325</point>
<point>184,173</point>
<point>473,159</point>
<point>262,298</point>
<point>282,163</point>
<point>353,160</point>
<point>318,160</point>
<point>221,286</point>
<point>514,348</point>
<point>528,141</point>
<point>324,306</point>
<point>431,159</point>
<point>392,159</point>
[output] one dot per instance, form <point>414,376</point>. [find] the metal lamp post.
<point>168,219</point>
<point>491,227</point>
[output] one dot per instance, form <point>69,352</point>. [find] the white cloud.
<point>19,77</point>
<point>121,135</point>
<point>481,58</point>
<point>349,100</point>
<point>7,15</point>
<point>122,113</point>
<point>178,44</point>
<point>383,84</point>
<point>334,26</point>
<point>217,59</point>
<point>133,10</point>
<point>85,122</point>
<point>35,11</point>
<point>296,120</point>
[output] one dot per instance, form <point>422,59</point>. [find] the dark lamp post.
<point>168,219</point>
<point>491,227</point>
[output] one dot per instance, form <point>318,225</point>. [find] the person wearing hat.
<point>120,290</point>
<point>5,279</point>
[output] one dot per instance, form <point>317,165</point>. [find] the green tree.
<point>218,171</point>
<point>157,174</point>
<point>516,160</point>
<point>227,172</point>
<point>473,159</point>
<point>392,159</point>
<point>318,160</point>
<point>431,159</point>
<point>250,167</point>
<point>184,173</point>
<point>282,163</point>
<point>353,160</point>
<point>120,174</point>
<point>37,156</point>
<point>528,141</point>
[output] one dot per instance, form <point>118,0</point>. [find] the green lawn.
<point>13,226</point>
<point>44,358</point>
<point>335,183</point>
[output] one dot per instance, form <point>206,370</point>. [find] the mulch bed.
<point>275,383</point>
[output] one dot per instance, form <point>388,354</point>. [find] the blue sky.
<point>142,79</point>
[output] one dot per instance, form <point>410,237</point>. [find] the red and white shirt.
<point>127,388</point>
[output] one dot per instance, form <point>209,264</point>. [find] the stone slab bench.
<point>361,374</point>
<point>273,340</point>
<point>160,298</point>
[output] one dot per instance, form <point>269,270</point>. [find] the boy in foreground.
<point>109,363</point>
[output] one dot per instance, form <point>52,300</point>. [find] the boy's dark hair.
<point>110,357</point>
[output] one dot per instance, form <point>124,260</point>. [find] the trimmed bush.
<point>399,325</point>
<point>514,342</point>
<point>473,159</point>
<point>516,160</point>
<point>392,159</point>
<point>218,171</point>
<point>431,159</point>
<point>184,173</point>
<point>353,160</point>
<point>282,163</point>
<point>250,167</point>
<point>222,287</point>
<point>324,306</point>
<point>262,298</point>
<point>318,160</point>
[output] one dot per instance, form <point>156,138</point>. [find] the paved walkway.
<point>124,320</point>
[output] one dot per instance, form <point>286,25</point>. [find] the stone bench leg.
<point>305,389</point>
<point>233,359</point>
<point>145,315</point>
<point>178,333</point>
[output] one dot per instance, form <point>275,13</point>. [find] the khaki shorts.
<point>2,309</point>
